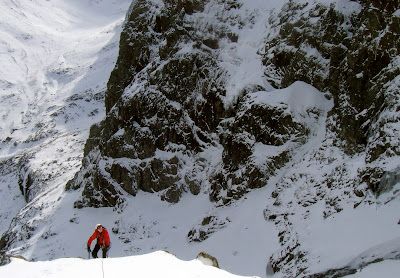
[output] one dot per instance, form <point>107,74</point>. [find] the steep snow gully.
<point>56,57</point>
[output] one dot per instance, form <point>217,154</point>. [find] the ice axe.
<point>88,251</point>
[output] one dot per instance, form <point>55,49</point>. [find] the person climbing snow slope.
<point>103,241</point>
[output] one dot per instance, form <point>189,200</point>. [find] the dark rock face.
<point>350,60</point>
<point>342,272</point>
<point>354,58</point>
<point>134,54</point>
<point>176,106</point>
<point>385,6</point>
<point>165,105</point>
<point>4,260</point>
<point>253,124</point>
<point>165,108</point>
<point>208,226</point>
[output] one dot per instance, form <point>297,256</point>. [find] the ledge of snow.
<point>157,264</point>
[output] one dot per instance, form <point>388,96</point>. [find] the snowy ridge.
<point>157,264</point>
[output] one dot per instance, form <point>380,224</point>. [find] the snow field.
<point>157,264</point>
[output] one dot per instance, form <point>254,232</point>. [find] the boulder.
<point>207,259</point>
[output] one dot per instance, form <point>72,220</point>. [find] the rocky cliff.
<point>167,110</point>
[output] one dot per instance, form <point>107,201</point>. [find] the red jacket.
<point>103,238</point>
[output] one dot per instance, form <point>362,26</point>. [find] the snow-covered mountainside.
<point>263,132</point>
<point>56,57</point>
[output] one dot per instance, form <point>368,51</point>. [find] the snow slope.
<point>157,264</point>
<point>387,269</point>
<point>56,58</point>
<point>49,49</point>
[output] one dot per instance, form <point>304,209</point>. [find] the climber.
<point>103,241</point>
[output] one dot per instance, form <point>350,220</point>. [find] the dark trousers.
<point>96,250</point>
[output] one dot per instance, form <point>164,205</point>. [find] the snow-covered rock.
<point>270,128</point>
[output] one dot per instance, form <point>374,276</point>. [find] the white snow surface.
<point>241,59</point>
<point>352,235</point>
<point>56,58</point>
<point>157,264</point>
<point>387,269</point>
<point>299,99</point>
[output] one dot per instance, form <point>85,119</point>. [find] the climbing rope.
<point>102,267</point>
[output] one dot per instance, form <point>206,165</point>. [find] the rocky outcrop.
<point>349,55</point>
<point>352,54</point>
<point>4,260</point>
<point>163,120</point>
<point>166,109</point>
<point>207,259</point>
<point>254,126</point>
<point>208,226</point>
<point>165,102</point>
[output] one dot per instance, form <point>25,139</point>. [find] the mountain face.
<point>168,109</point>
<point>297,101</point>
<point>175,126</point>
<point>167,101</point>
